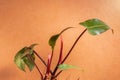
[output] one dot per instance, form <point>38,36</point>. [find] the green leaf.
<point>21,58</point>
<point>95,26</point>
<point>66,66</point>
<point>29,62</point>
<point>53,39</point>
<point>17,59</point>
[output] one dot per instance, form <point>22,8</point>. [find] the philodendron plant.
<point>26,56</point>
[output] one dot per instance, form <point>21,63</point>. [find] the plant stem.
<point>60,58</point>
<point>39,71</point>
<point>57,74</point>
<point>29,56</point>
<point>41,60</point>
<point>54,72</point>
<point>73,45</point>
<point>52,56</point>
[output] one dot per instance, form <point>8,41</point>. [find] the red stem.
<point>41,60</point>
<point>69,52</point>
<point>73,46</point>
<point>61,52</point>
<point>60,58</point>
<point>36,66</point>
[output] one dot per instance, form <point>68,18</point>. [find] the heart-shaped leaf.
<point>53,39</point>
<point>95,26</point>
<point>17,59</point>
<point>21,59</point>
<point>66,66</point>
<point>48,64</point>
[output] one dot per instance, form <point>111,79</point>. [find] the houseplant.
<point>26,56</point>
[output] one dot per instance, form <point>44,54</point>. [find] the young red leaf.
<point>61,51</point>
<point>48,64</point>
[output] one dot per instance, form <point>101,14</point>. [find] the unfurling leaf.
<point>61,52</point>
<point>66,66</point>
<point>48,64</point>
<point>95,26</point>
<point>53,39</point>
<point>21,58</point>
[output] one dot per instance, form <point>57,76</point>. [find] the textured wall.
<point>23,22</point>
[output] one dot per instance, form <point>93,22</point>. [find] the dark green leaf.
<point>95,26</point>
<point>21,59</point>
<point>29,61</point>
<point>53,39</point>
<point>18,61</point>
<point>66,66</point>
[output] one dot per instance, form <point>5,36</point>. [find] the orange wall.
<point>23,22</point>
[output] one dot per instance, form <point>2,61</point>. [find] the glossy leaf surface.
<point>95,26</point>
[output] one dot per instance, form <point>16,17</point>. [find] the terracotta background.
<point>23,22</point>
